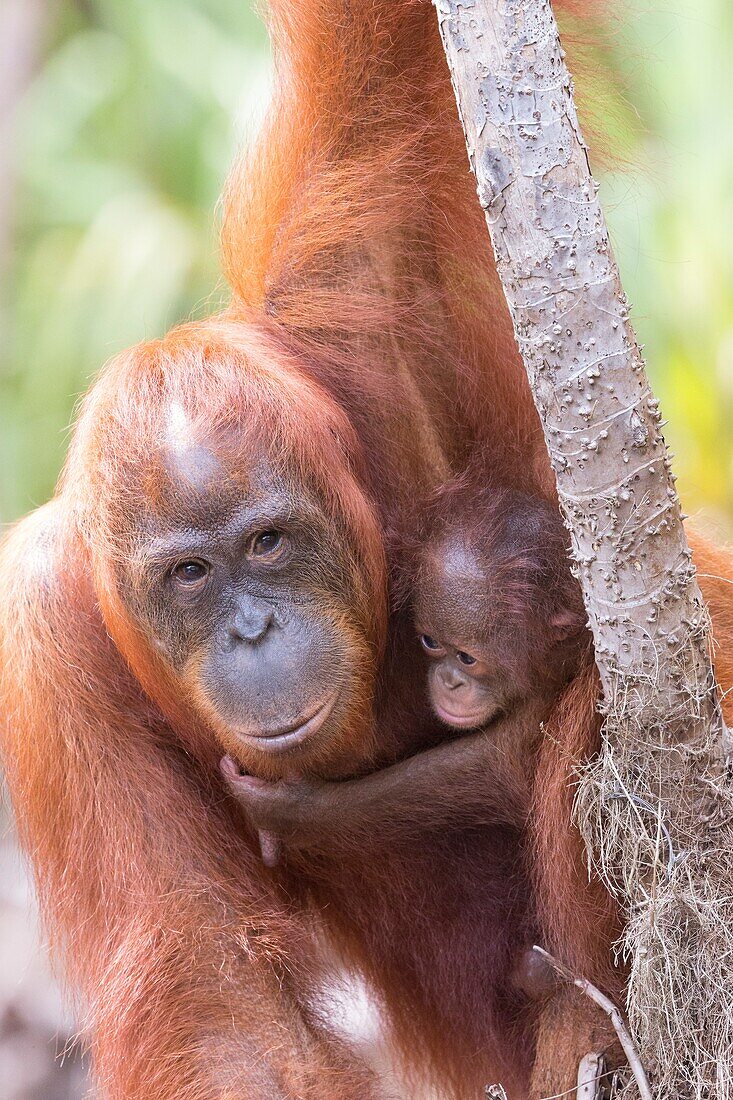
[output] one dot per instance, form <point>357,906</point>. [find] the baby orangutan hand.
<point>291,808</point>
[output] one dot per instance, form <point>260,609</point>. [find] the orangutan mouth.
<point>281,740</point>
<point>460,721</point>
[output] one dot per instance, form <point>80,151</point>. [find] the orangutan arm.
<point>481,778</point>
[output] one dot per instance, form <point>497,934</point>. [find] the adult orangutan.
<point>211,577</point>
<point>220,572</point>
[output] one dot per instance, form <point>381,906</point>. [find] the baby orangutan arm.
<point>481,778</point>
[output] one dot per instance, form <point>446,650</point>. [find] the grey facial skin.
<point>229,581</point>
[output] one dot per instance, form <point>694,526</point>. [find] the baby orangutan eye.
<point>465,658</point>
<point>267,545</point>
<point>191,574</point>
<point>430,643</point>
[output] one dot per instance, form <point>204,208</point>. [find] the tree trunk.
<point>656,807</point>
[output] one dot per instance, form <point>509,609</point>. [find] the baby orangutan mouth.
<point>280,740</point>
<point>466,721</point>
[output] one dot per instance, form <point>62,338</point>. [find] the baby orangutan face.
<point>501,623</point>
<point>476,667</point>
<point>465,690</point>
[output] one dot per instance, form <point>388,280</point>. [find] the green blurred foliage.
<point>671,217</point>
<point>125,138</point>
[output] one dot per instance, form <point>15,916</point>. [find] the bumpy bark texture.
<point>656,808</point>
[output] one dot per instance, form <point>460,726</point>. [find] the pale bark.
<point>600,419</point>
<point>662,770</point>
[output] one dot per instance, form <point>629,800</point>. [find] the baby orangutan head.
<point>497,610</point>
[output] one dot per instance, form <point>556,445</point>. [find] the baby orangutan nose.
<point>450,677</point>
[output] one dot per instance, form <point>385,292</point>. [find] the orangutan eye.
<point>465,658</point>
<point>429,643</point>
<point>191,573</point>
<point>267,544</point>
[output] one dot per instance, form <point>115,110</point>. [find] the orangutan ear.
<point>566,623</point>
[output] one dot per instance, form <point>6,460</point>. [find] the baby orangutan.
<point>501,624</point>
<point>498,612</point>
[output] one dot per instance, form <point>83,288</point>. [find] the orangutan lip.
<point>460,721</point>
<point>287,738</point>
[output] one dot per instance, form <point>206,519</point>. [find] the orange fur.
<point>185,960</point>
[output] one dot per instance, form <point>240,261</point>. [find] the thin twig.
<point>590,1073</point>
<point>613,1013</point>
<point>574,1090</point>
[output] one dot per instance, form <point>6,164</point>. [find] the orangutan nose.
<point>251,621</point>
<point>451,678</point>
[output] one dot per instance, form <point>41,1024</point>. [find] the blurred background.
<point>118,120</point>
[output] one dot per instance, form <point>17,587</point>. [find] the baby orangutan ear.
<point>566,623</point>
